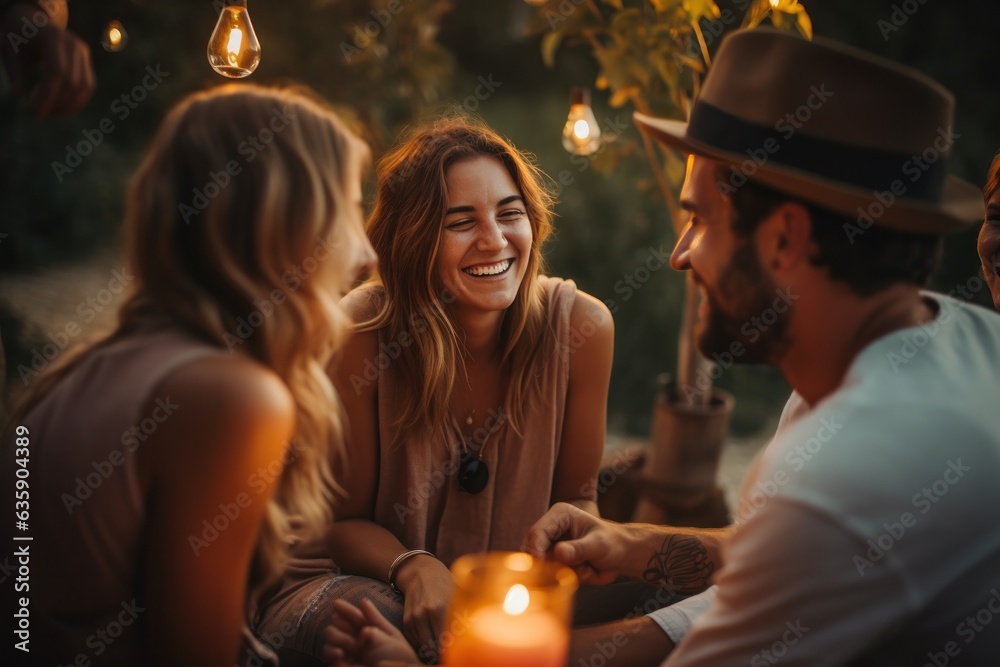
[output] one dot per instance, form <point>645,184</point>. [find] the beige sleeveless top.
<point>88,510</point>
<point>418,498</point>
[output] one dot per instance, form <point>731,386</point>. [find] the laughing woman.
<point>476,386</point>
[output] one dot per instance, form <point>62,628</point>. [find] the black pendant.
<point>472,473</point>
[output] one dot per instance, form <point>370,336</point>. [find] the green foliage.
<point>651,53</point>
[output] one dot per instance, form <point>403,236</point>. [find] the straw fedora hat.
<point>833,125</point>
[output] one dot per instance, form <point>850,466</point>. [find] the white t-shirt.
<point>868,531</point>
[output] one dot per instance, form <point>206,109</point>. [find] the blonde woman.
<point>476,386</point>
<point>169,461</point>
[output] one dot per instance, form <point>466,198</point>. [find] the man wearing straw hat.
<point>866,531</point>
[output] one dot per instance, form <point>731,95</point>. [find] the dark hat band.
<point>861,167</point>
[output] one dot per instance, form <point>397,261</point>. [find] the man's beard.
<point>750,293</point>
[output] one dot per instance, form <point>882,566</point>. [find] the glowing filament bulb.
<point>581,134</point>
<point>516,602</point>
<point>235,39</point>
<point>114,37</point>
<point>233,49</point>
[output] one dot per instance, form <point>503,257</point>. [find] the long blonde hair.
<point>405,230</point>
<point>206,256</point>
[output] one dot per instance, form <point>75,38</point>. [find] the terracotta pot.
<point>678,481</point>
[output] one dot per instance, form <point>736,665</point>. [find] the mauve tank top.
<point>418,498</point>
<point>88,512</point>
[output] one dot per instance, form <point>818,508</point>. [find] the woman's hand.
<point>427,585</point>
<point>361,637</point>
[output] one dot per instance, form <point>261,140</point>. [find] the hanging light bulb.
<point>114,38</point>
<point>581,134</point>
<point>233,49</point>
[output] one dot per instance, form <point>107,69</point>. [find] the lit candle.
<point>529,628</point>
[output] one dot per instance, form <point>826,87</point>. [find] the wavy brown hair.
<point>405,229</point>
<point>203,262</point>
<point>992,178</point>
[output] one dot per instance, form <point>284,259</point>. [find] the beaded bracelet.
<point>399,561</point>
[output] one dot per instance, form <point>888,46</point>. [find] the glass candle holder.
<point>508,609</point>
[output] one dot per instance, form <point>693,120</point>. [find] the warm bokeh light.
<point>233,49</point>
<point>581,133</point>
<point>114,38</point>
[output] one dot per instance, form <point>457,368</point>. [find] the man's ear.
<point>784,238</point>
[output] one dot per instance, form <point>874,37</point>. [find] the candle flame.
<point>235,41</point>
<point>114,36</point>
<point>517,600</point>
<point>581,129</point>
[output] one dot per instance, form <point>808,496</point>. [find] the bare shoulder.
<point>589,314</point>
<point>228,402</point>
<point>592,340</point>
<point>363,302</point>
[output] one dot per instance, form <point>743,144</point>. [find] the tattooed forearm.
<point>682,565</point>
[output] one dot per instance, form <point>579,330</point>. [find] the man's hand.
<point>594,548</point>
